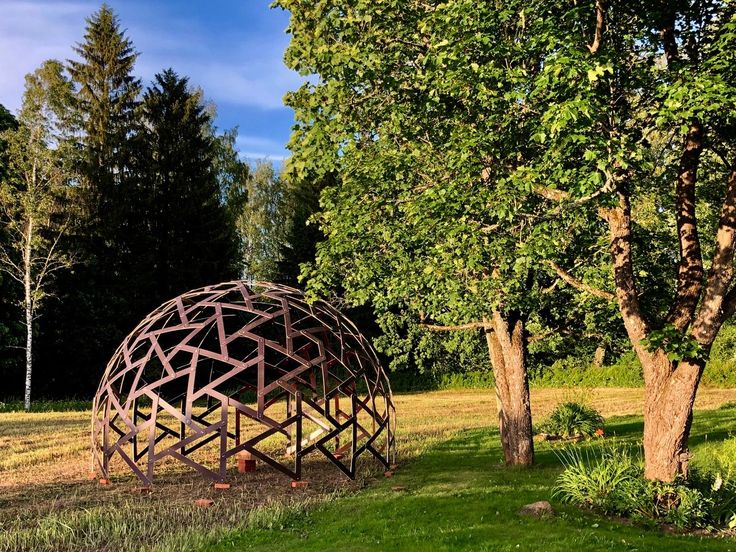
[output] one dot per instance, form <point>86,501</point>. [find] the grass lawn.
<point>450,492</point>
<point>458,497</point>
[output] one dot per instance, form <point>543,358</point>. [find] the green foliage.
<point>263,222</point>
<point>570,419</point>
<point>178,208</point>
<point>43,405</point>
<point>600,482</point>
<point>11,330</point>
<point>421,120</point>
<point>302,233</point>
<point>572,372</point>
<point>612,482</point>
<point>676,344</point>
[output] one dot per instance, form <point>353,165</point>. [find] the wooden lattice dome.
<point>239,367</point>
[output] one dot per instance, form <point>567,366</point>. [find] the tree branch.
<point>560,195</point>
<point>551,193</point>
<point>711,313</point>
<point>468,326</point>
<point>690,271</point>
<point>544,335</point>
<point>601,6</point>
<point>487,326</point>
<point>619,223</point>
<point>667,34</point>
<point>579,284</point>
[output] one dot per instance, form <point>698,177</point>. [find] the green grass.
<point>457,496</point>
<point>450,470</point>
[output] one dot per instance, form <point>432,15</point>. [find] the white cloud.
<point>255,147</point>
<point>258,156</point>
<point>31,32</point>
<point>246,71</point>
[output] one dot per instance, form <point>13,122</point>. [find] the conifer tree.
<point>95,310</point>
<point>190,241</point>
<point>107,95</point>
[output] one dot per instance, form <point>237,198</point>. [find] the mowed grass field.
<point>450,492</point>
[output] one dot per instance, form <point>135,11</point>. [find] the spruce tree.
<point>107,95</point>
<point>95,310</point>
<point>187,238</point>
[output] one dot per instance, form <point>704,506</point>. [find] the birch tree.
<point>32,196</point>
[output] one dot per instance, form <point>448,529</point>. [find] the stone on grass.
<point>537,509</point>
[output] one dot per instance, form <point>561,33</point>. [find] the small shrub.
<point>691,508</point>
<point>613,482</point>
<point>596,484</point>
<point>570,419</point>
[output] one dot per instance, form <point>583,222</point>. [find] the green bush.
<point>468,380</point>
<point>596,484</point>
<point>69,405</point>
<point>613,482</point>
<point>571,419</point>
<point>570,372</point>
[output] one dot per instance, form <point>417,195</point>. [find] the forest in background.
<point>117,196</point>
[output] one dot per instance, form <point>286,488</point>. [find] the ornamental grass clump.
<point>573,419</point>
<point>612,482</point>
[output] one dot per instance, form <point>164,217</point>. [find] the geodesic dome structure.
<point>239,367</point>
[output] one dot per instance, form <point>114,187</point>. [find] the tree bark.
<point>599,357</point>
<point>507,350</point>
<point>668,412</point>
<point>671,386</point>
<point>28,304</point>
<point>690,270</point>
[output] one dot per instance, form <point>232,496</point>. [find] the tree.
<point>233,175</point>
<point>182,231</point>
<point>423,219</point>
<point>97,300</point>
<point>301,235</point>
<point>107,96</point>
<point>492,146</point>
<point>637,128</point>
<point>32,195</point>
<point>263,223</point>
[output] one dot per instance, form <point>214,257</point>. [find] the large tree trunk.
<point>668,411</point>
<point>29,355</point>
<point>507,350</point>
<point>671,386</point>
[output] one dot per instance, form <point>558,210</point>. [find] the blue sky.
<point>233,49</point>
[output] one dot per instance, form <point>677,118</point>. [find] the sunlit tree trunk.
<point>506,341</point>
